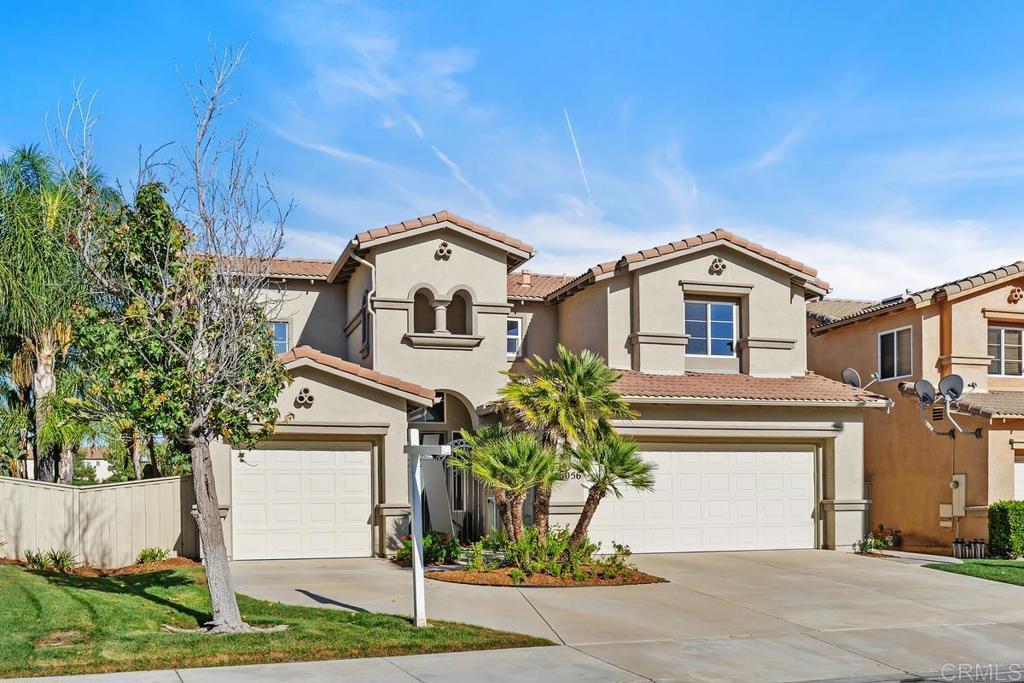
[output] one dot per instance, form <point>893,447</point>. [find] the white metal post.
<point>416,507</point>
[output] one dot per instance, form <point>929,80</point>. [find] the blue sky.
<point>882,144</point>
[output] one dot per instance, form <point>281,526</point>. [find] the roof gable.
<point>518,252</point>
<point>654,255</point>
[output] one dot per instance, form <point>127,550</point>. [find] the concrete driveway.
<point>765,616</point>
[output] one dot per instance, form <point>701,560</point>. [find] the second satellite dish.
<point>951,386</point>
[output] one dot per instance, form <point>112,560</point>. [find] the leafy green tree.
<point>607,465</point>
<point>513,464</point>
<point>568,400</point>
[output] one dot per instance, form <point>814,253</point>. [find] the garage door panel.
<point>717,500</point>
<point>296,503</point>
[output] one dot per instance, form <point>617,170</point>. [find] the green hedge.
<point>1006,528</point>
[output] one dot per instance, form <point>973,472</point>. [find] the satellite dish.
<point>851,377</point>
<point>951,386</point>
<point>925,391</point>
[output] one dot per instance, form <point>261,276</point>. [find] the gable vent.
<point>938,413</point>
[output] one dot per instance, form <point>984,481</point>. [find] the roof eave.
<point>789,403</point>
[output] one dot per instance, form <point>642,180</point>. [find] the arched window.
<point>423,312</point>
<point>458,313</point>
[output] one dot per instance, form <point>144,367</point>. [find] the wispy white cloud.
<point>328,149</point>
<point>779,151</point>
<point>457,174</point>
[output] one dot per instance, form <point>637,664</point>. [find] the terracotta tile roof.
<point>527,285</point>
<point>314,268</point>
<point>354,369</point>
<point>810,387</point>
<point>680,246</point>
<point>926,295</point>
<point>829,310</point>
<point>991,404</point>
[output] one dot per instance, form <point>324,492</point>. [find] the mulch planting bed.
<point>501,577</point>
<point>94,572</point>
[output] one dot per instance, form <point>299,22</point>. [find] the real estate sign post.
<point>416,452</point>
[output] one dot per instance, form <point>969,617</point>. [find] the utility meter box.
<point>959,489</point>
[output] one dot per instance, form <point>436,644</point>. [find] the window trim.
<point>442,421</point>
<point>735,326</point>
<point>1002,349</point>
<point>520,324</point>
<point>287,334</point>
<point>896,353</point>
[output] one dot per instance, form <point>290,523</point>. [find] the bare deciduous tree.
<point>196,306</point>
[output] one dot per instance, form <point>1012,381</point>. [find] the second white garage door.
<point>715,500</point>
<point>302,502</point>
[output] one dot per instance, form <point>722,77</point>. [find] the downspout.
<point>369,303</point>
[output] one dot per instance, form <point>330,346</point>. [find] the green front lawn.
<point>54,624</point>
<point>1006,571</point>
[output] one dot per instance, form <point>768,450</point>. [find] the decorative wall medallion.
<point>717,266</point>
<point>444,252</point>
<point>1016,295</point>
<point>304,399</point>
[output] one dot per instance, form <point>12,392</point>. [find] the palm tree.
<point>568,400</point>
<point>40,278</point>
<point>512,464</point>
<point>608,465</point>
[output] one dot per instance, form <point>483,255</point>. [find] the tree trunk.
<point>44,381</point>
<point>136,451</point>
<point>541,506</point>
<point>515,504</point>
<point>594,498</point>
<point>66,468</point>
<point>151,444</point>
<point>225,617</point>
<point>504,511</point>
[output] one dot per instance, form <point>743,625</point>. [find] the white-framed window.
<point>1005,345</point>
<point>895,353</point>
<point>279,329</point>
<point>514,338</point>
<point>711,327</point>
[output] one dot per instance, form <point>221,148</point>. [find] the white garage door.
<point>302,502</point>
<point>715,500</point>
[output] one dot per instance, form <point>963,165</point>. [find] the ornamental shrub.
<point>1006,529</point>
<point>437,549</point>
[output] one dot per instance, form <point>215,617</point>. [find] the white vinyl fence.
<point>103,526</point>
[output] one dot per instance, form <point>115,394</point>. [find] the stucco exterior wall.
<point>315,312</point>
<point>540,331</point>
<point>583,320</point>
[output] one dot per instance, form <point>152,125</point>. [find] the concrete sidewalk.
<point>563,664</point>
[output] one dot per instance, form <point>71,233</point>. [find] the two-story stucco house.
<point>413,323</point>
<point>971,327</point>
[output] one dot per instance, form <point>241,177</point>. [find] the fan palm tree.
<point>512,464</point>
<point>40,277</point>
<point>607,465</point>
<point>568,400</point>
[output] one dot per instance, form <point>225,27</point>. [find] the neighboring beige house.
<point>972,327</point>
<point>412,325</point>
